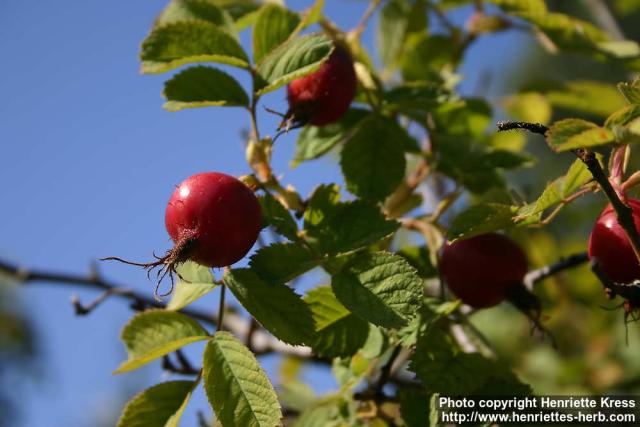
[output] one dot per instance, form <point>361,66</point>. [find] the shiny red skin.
<point>220,212</point>
<point>609,244</point>
<point>482,269</point>
<point>324,96</point>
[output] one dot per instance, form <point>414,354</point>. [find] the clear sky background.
<point>88,161</point>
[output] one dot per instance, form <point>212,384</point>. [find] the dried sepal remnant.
<point>213,219</point>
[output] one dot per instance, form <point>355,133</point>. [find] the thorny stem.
<point>624,213</point>
<point>537,128</point>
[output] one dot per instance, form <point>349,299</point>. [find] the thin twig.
<point>83,310</point>
<point>386,371</point>
<point>362,25</point>
<point>263,342</point>
<point>538,275</point>
<point>221,308</point>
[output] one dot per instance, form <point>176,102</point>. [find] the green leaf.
<point>623,117</point>
<point>274,306</point>
<point>239,9</point>
<point>504,159</point>
<point>339,333</point>
<point>472,164</point>
<point>322,204</point>
<point>442,369</point>
<point>631,91</point>
<point>469,117</point>
<point>180,43</point>
<point>314,141</point>
<point>620,49</point>
<point>558,190</point>
<point>380,287</point>
<point>414,407</point>
<point>456,375</point>
<point>295,58</point>
<point>296,395</point>
<point>194,281</point>
<point>418,257</point>
<point>415,95</point>
<point>310,16</point>
<point>576,176</point>
<point>276,215</point>
<point>569,33</point>
<point>398,18</point>
<point>586,97</point>
<point>237,388</point>
<point>344,227</point>
<point>529,107</point>
<point>282,262</point>
<point>480,219</point>
<point>274,25</point>
<point>159,406</point>
<point>203,87</point>
<point>324,412</point>
<point>425,55</point>
<point>522,7</point>
<point>625,124</point>
<point>570,134</point>
<point>154,333</point>
<point>372,159</point>
<point>203,10</point>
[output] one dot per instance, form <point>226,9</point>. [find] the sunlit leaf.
<point>154,333</point>
<point>238,389</point>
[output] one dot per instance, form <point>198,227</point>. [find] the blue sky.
<point>89,160</point>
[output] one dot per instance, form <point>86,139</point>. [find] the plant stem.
<point>362,25</point>
<point>223,289</point>
<point>386,371</point>
<point>623,212</point>
<point>537,128</point>
<point>538,275</point>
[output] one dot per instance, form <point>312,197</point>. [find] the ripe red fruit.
<point>213,219</point>
<point>608,243</point>
<point>324,96</point>
<point>217,214</point>
<point>484,269</point>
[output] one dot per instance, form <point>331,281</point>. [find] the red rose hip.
<point>325,95</point>
<point>218,213</point>
<point>484,269</point>
<point>213,219</point>
<point>608,243</point>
